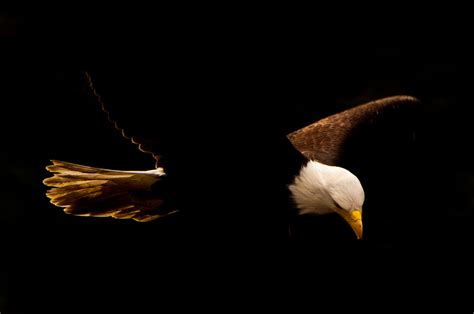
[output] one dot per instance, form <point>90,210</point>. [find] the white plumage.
<point>320,189</point>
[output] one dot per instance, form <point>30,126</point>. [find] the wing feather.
<point>97,192</point>
<point>325,140</point>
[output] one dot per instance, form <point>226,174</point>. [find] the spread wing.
<point>139,195</point>
<point>326,140</point>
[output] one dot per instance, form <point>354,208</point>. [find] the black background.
<point>232,87</point>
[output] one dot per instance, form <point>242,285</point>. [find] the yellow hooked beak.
<point>354,219</point>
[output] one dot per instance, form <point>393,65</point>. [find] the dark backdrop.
<point>231,91</point>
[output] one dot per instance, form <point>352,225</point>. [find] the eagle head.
<point>322,189</point>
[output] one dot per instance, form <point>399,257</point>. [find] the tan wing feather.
<point>97,192</point>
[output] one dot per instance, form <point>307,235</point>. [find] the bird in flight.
<point>321,187</point>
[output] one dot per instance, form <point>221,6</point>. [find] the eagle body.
<point>261,180</point>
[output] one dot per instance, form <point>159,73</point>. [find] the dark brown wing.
<point>326,139</point>
<point>145,145</point>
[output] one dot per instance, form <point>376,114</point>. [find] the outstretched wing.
<point>139,195</point>
<point>326,139</point>
<point>97,192</point>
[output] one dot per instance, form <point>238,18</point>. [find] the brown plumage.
<point>324,140</point>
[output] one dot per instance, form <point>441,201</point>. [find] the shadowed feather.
<point>145,145</point>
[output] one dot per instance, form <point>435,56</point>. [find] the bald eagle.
<point>320,185</point>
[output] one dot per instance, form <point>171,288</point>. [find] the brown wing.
<point>325,139</point>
